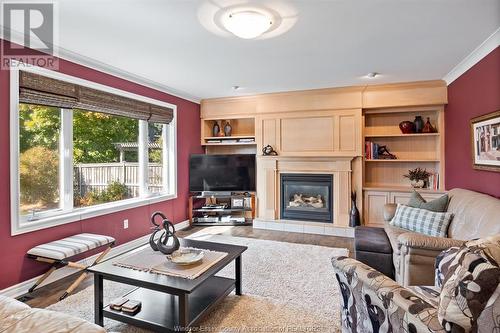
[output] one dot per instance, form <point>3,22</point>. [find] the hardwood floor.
<point>50,293</point>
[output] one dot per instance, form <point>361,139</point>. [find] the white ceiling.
<point>331,43</point>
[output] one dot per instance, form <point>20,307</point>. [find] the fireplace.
<point>306,197</point>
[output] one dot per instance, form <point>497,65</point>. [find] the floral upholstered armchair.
<point>466,297</point>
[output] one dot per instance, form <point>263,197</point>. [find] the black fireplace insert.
<point>306,197</point>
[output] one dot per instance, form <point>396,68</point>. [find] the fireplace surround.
<point>306,197</point>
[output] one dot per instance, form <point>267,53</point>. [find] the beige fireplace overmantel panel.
<point>268,181</point>
<point>313,133</point>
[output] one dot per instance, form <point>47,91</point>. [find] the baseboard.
<point>22,288</point>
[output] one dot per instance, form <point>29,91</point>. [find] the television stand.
<point>216,209</point>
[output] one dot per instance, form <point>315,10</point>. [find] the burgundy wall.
<point>475,93</point>
<point>15,267</point>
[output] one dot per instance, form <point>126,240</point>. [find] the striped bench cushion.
<point>70,246</point>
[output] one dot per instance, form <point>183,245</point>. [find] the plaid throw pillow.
<point>421,220</point>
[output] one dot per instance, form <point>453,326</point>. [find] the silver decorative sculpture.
<point>167,229</point>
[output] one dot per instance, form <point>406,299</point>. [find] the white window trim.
<point>63,216</point>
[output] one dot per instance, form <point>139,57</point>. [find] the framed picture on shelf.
<point>485,135</point>
<point>237,202</point>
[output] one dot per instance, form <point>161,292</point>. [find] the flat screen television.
<point>222,173</point>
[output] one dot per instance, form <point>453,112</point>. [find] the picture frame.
<point>237,202</point>
<point>485,140</point>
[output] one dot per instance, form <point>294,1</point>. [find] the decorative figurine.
<point>428,128</point>
<point>215,129</point>
<point>168,233</point>
<point>228,129</point>
<point>269,151</point>
<point>354,218</point>
<point>385,154</point>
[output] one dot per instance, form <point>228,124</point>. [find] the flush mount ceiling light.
<point>247,23</point>
<point>372,75</point>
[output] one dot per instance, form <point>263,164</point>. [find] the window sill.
<point>87,213</point>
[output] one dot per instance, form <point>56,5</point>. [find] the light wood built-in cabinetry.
<point>375,199</point>
<point>383,178</point>
<point>333,124</point>
<point>318,133</point>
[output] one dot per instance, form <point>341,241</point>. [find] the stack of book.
<point>433,182</point>
<point>371,150</point>
<point>246,140</point>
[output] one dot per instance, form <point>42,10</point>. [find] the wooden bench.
<point>58,253</point>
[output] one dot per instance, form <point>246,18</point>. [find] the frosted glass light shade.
<point>247,24</point>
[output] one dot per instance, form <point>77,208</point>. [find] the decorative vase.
<point>428,128</point>
<point>407,127</point>
<point>417,183</point>
<point>419,124</point>
<point>228,129</point>
<point>215,129</point>
<point>354,218</point>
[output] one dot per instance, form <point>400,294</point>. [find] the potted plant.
<point>418,177</point>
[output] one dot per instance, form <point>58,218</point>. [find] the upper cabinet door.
<point>314,133</point>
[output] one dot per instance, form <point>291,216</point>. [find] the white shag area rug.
<point>286,288</point>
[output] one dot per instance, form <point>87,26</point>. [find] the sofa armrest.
<point>389,211</point>
<point>368,294</point>
<point>421,241</point>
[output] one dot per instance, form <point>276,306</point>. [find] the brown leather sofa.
<point>17,317</point>
<point>476,215</point>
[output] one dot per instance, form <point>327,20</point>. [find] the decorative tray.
<point>186,256</point>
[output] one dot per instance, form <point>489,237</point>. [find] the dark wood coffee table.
<point>169,304</point>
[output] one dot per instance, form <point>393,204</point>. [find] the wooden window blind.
<point>42,90</point>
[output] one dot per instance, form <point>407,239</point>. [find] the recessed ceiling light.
<point>247,24</point>
<point>372,75</point>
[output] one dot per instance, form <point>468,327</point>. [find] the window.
<point>39,131</point>
<point>71,163</point>
<point>102,170</point>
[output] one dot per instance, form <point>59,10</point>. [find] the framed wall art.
<point>485,135</point>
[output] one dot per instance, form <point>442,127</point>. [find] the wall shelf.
<point>232,137</point>
<point>401,160</point>
<point>411,135</point>
<point>229,144</point>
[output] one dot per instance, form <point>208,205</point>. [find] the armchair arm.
<point>418,255</point>
<point>371,300</point>
<point>389,211</point>
<point>421,241</point>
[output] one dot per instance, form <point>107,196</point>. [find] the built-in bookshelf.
<point>242,132</point>
<point>424,150</point>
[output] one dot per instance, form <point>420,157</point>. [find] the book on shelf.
<point>246,140</point>
<point>371,150</point>
<point>433,181</point>
<point>214,141</point>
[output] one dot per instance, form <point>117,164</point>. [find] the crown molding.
<point>63,53</point>
<point>491,43</point>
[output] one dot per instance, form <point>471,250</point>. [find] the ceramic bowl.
<point>186,256</point>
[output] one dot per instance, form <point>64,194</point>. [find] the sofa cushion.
<point>437,205</point>
<point>471,277</point>
<point>476,215</point>
<point>421,220</point>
